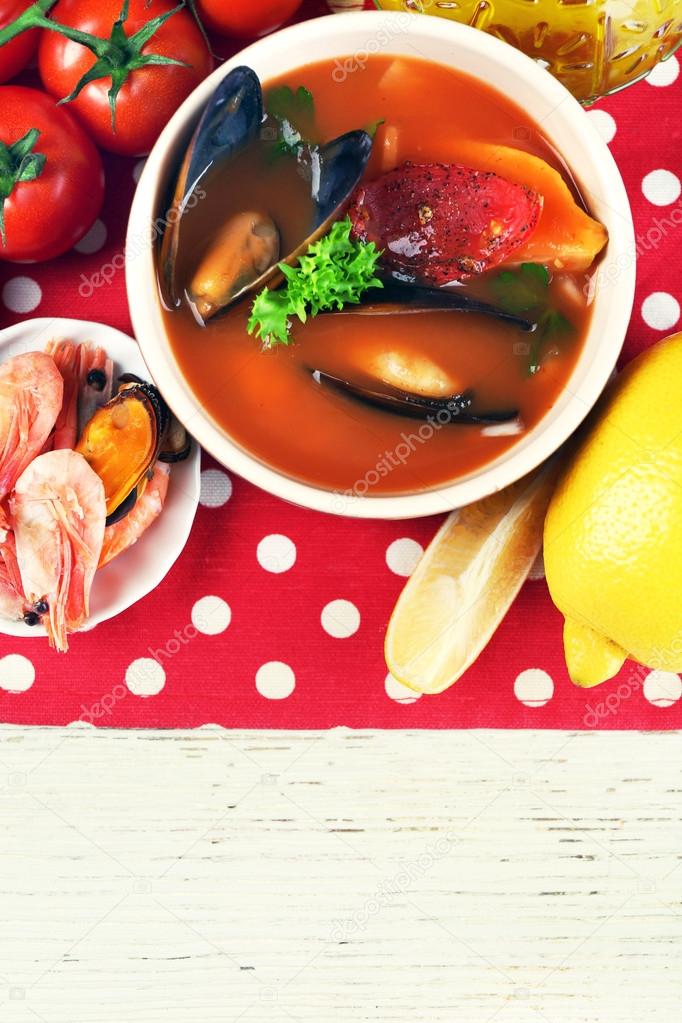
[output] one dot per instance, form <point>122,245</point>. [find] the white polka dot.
<point>275,680</point>
<point>216,488</point>
<point>276,553</point>
<point>211,615</point>
<point>662,688</point>
<point>402,555</point>
<point>661,187</point>
<point>21,294</point>
<point>534,687</point>
<point>538,569</point>
<point>145,677</point>
<point>138,168</point>
<point>94,240</point>
<point>664,73</point>
<point>17,674</point>
<point>340,619</point>
<point>660,311</point>
<point>604,123</point>
<point>398,692</point>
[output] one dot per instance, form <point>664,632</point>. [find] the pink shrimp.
<point>58,512</point>
<point>67,360</point>
<point>31,391</point>
<point>12,603</point>
<point>124,533</point>
<point>76,363</point>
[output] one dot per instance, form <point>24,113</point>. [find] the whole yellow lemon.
<point>613,533</point>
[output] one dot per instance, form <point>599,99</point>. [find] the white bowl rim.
<point>556,426</point>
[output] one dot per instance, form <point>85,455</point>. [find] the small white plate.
<point>136,573</point>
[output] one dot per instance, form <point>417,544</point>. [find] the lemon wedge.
<point>465,583</point>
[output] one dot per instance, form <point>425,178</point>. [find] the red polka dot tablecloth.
<point>274,616</point>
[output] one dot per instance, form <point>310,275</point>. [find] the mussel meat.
<point>245,247</point>
<point>176,444</point>
<point>244,255</point>
<point>458,408</point>
<point>122,440</point>
<point>415,373</point>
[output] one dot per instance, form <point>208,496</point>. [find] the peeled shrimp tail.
<point>127,531</point>
<point>8,551</point>
<point>16,441</point>
<point>87,373</point>
<point>31,392</point>
<point>12,603</point>
<point>66,357</point>
<point>58,512</point>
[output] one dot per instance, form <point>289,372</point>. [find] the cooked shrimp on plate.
<point>94,470</point>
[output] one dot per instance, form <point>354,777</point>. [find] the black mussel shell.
<point>403,297</point>
<point>232,118</point>
<point>124,507</point>
<point>457,406</point>
<point>161,410</point>
<point>336,169</point>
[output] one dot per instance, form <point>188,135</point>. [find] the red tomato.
<point>246,19</point>
<point>459,221</point>
<point>150,95</point>
<point>48,215</point>
<point>15,55</point>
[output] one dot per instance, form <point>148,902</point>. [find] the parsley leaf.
<point>526,290</point>
<point>270,316</point>
<point>334,272</point>
<point>286,105</point>
<point>294,111</point>
<point>517,291</point>
<point>550,324</point>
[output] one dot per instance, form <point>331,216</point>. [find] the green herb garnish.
<point>526,290</point>
<point>334,272</point>
<point>551,324</point>
<point>294,111</point>
<point>518,291</point>
<point>287,105</point>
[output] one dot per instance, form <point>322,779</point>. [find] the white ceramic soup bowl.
<point>563,122</point>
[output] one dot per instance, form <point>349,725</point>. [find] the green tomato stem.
<point>26,20</point>
<point>117,57</point>
<point>34,17</point>
<point>18,163</point>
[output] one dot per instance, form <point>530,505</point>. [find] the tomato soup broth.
<point>266,400</point>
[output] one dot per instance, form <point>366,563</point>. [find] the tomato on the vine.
<point>15,55</point>
<point>246,19</point>
<point>152,55</point>
<point>51,177</point>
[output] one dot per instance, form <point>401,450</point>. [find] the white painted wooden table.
<point>455,876</point>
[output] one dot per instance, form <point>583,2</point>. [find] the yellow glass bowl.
<point>594,47</point>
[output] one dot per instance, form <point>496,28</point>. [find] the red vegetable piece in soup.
<point>444,222</point>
